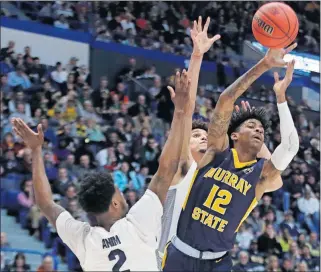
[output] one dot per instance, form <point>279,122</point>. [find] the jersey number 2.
<point>217,199</point>
<point>121,259</point>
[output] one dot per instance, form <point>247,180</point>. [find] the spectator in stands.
<point>309,208</point>
<point>287,266</point>
<point>149,154</point>
<point>267,242</point>
<point>289,224</point>
<point>293,254</point>
<point>131,197</point>
<point>244,237</point>
<point>266,205</point>
<point>121,178</point>
<point>8,51</point>
<point>61,184</point>
<point>61,22</point>
<point>71,194</point>
<point>139,179</point>
<point>138,107</point>
<point>85,166</point>
<point>312,262</point>
<point>59,75</point>
<point>19,78</point>
<point>3,240</point>
<point>256,223</point>
<point>46,265</point>
<point>72,66</point>
<point>273,264</point>
<point>285,240</point>
<point>301,267</point>
<point>243,264</point>
<point>19,264</point>
<point>314,244</point>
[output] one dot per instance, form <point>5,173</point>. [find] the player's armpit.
<point>270,179</point>
<point>273,184</point>
<point>157,184</point>
<point>52,211</point>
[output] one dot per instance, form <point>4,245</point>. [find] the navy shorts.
<point>174,260</point>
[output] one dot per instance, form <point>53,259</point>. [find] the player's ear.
<point>234,136</point>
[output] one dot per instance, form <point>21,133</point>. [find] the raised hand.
<point>280,86</point>
<point>31,139</point>
<point>274,57</point>
<point>181,96</point>
<point>245,106</point>
<point>200,40</point>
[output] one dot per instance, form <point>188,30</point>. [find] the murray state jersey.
<point>221,196</point>
<point>130,245</point>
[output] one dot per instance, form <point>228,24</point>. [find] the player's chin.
<point>257,145</point>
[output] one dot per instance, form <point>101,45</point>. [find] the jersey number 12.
<point>121,259</point>
<point>218,199</point>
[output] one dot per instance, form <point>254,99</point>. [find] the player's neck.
<point>244,154</point>
<point>197,157</point>
<point>105,221</point>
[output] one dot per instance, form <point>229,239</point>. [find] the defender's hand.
<point>181,96</point>
<point>245,106</point>
<point>200,40</point>
<point>280,86</point>
<point>31,139</point>
<point>274,57</point>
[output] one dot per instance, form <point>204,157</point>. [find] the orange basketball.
<point>275,25</point>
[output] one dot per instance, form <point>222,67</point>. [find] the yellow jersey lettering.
<point>196,213</point>
<point>216,221</point>
<point>227,177</point>
<point>204,213</point>
<point>222,225</point>
<point>209,220</point>
<point>210,173</point>
<point>219,174</point>
<point>246,188</point>
<point>233,180</point>
<point>240,185</point>
<point>224,199</point>
<point>210,197</point>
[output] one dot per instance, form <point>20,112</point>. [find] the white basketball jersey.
<point>173,206</point>
<point>130,244</point>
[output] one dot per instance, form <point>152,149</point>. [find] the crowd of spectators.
<point>166,26</point>
<point>89,128</point>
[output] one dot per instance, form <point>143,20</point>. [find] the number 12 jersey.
<point>221,196</point>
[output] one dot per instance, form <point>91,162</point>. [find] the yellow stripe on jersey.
<point>190,188</point>
<point>251,207</point>
<point>237,163</point>
<point>165,255</point>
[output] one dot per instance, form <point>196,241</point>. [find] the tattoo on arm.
<point>235,90</point>
<point>219,123</point>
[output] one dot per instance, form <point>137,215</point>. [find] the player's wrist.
<point>196,54</point>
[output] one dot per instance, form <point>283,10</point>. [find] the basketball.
<point>275,25</point>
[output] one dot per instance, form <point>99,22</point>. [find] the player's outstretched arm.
<point>217,130</point>
<point>41,184</point>
<point>201,44</point>
<point>289,146</point>
<point>169,159</point>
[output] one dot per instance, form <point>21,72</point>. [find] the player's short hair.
<point>238,118</point>
<point>199,124</point>
<point>96,192</point>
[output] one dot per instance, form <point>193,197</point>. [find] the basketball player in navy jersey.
<point>194,141</point>
<point>229,180</point>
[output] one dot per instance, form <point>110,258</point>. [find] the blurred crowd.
<point>91,127</point>
<point>166,26</point>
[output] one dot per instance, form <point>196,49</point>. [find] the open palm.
<point>30,138</point>
<point>280,86</point>
<point>200,39</point>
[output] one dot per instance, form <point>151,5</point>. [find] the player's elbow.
<point>226,98</point>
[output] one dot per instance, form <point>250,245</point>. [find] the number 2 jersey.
<point>130,245</point>
<point>220,198</point>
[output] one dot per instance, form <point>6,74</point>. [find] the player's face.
<point>198,141</point>
<point>251,134</point>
